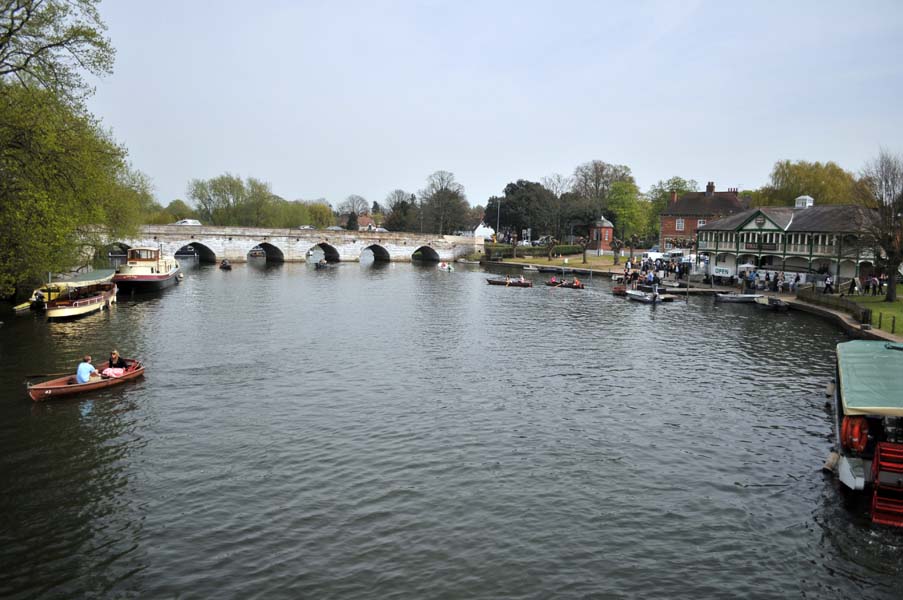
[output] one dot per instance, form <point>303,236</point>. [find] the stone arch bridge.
<point>213,243</point>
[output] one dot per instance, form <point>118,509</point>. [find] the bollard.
<point>880,317</point>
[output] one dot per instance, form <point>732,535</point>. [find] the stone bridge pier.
<point>213,243</point>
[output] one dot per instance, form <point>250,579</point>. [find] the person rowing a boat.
<point>86,371</point>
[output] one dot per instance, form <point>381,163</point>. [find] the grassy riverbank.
<point>883,313</point>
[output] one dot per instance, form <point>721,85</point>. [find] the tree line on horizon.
<point>62,173</point>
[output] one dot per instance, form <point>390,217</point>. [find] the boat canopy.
<point>871,378</point>
<point>86,279</point>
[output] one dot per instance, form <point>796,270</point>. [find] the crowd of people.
<point>653,272</point>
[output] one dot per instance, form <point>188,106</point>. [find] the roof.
<point>699,203</point>
<point>831,218</point>
<point>603,222</point>
<point>88,279</point>
<point>870,378</point>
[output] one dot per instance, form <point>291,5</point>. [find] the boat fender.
<point>854,433</point>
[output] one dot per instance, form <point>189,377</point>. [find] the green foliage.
<point>46,44</point>
<point>59,176</point>
<point>624,205</point>
<point>507,250</point>
<point>592,183</point>
<point>526,204</point>
<point>351,224</point>
<point>826,182</point>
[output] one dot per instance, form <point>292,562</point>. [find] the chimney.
<point>673,197</point>
<point>710,189</point>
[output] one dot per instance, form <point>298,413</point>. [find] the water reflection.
<point>316,428</point>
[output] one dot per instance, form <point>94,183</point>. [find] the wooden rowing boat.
<point>67,386</point>
<point>619,290</point>
<point>570,285</point>
<point>510,282</point>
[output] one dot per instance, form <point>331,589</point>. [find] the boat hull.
<point>643,297</point>
<point>512,283</point>
<point>64,308</point>
<point>570,286</point>
<point>65,386</point>
<point>146,283</point>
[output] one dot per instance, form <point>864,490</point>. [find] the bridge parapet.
<point>295,245</point>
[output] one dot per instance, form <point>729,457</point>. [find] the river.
<point>394,431</point>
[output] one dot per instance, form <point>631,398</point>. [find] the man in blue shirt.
<point>86,370</point>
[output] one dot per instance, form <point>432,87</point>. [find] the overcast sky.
<point>327,99</point>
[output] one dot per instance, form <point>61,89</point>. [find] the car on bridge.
<point>188,222</point>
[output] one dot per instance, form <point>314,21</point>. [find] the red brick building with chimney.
<point>684,215</point>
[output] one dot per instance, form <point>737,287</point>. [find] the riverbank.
<point>850,325</point>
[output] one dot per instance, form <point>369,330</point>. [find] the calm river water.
<point>398,432</point>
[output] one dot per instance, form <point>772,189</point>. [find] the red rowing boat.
<point>67,386</point>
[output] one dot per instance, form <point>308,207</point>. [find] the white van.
<point>188,222</point>
<point>653,256</point>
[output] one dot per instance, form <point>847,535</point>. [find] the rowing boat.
<point>67,386</point>
<point>569,285</point>
<point>510,282</point>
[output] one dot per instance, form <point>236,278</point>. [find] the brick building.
<point>601,233</point>
<point>684,215</point>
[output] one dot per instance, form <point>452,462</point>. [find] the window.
<point>700,222</point>
<point>606,233</point>
<point>679,225</point>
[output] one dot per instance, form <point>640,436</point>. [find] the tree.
<point>60,176</point>
<point>558,185</point>
<point>616,246</point>
<point>826,182</point>
<point>403,212</point>
<point>351,224</point>
<point>592,182</point>
<point>177,209</point>
<point>625,208</point>
<point>218,199</point>
<point>443,203</point>
<point>48,43</point>
<point>882,187</point>
<point>320,215</point>
<point>660,193</point>
<point>526,205</point>
<point>354,204</point>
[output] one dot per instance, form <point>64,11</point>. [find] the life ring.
<point>854,433</point>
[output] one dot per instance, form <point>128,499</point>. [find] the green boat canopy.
<point>871,378</point>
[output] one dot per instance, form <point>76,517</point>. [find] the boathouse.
<point>601,233</point>
<point>800,239</point>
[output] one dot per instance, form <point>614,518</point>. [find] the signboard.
<point>722,272</point>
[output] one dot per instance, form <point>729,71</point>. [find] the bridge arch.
<point>204,253</point>
<point>425,254</point>
<point>329,252</point>
<point>273,253</point>
<point>380,254</point>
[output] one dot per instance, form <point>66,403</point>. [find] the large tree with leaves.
<point>592,183</point>
<point>60,176</point>
<point>49,43</point>
<point>443,203</point>
<point>827,183</point>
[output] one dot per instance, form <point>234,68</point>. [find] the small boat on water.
<point>146,269</point>
<point>225,265</point>
<point>525,283</point>
<point>868,425</point>
<point>619,290</point>
<point>531,268</point>
<point>733,297</point>
<point>566,284</point>
<point>562,270</point>
<point>52,290</point>
<point>444,266</point>
<point>68,386</point>
<point>81,300</point>
<point>322,265</point>
<point>465,261</point>
<point>644,297</point>
<point>772,303</point>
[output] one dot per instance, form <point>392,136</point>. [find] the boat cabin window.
<point>142,254</point>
